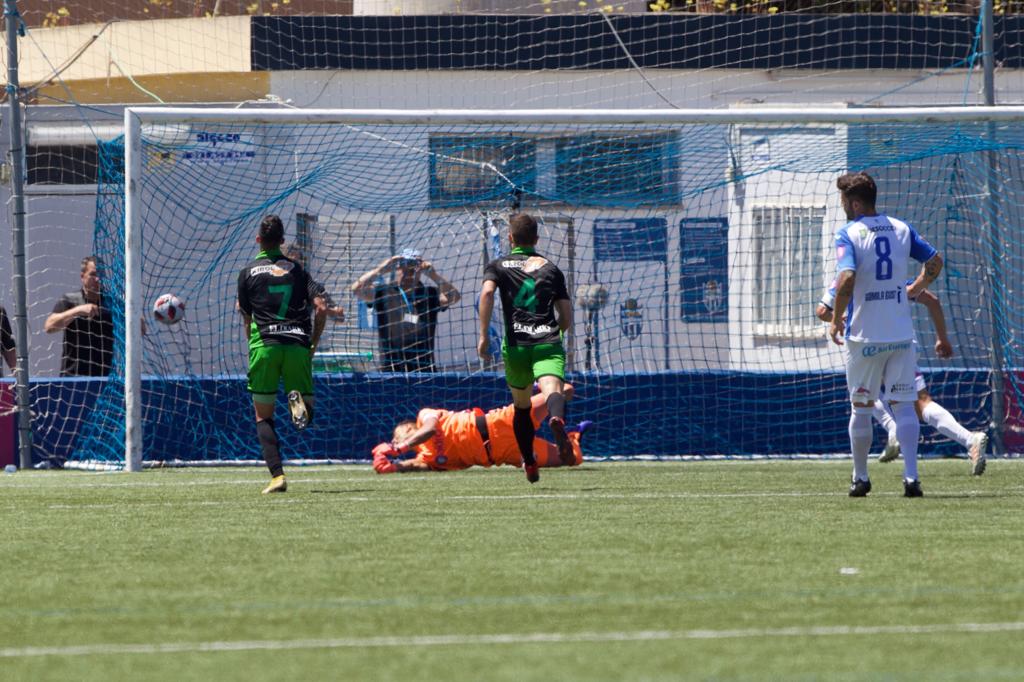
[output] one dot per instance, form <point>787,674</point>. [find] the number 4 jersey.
<point>529,285</point>
<point>877,248</point>
<point>276,292</point>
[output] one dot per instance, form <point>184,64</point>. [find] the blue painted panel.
<point>662,414</point>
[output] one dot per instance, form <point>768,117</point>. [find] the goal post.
<point>687,219</point>
<point>132,292</point>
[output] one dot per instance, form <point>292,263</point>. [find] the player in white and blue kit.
<point>872,253</point>
<point>928,411</point>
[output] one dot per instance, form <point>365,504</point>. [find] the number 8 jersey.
<point>877,248</point>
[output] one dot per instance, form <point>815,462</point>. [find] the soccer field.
<point>626,571</point>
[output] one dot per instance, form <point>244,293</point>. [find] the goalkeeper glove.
<point>381,463</point>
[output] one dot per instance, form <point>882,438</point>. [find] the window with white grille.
<point>788,269</point>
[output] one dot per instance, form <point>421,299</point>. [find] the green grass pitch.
<point>625,571</point>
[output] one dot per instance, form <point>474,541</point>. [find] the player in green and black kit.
<point>532,290</point>
<point>275,298</point>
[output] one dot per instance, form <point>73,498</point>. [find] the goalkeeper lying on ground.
<point>446,441</point>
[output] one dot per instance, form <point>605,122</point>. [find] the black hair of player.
<point>271,232</point>
<point>522,227</point>
<point>859,186</point>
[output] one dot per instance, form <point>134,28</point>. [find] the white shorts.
<point>919,384</point>
<point>870,365</point>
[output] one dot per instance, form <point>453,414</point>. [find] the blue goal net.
<point>694,255</point>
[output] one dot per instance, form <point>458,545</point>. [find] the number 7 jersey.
<point>276,292</point>
<point>877,249</point>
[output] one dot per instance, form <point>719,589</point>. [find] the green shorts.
<point>270,364</point>
<point>524,364</point>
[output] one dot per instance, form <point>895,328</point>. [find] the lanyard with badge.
<point>410,316</point>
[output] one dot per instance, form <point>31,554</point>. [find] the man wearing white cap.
<point>406,310</point>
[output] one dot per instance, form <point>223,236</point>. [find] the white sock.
<point>884,417</point>
<point>936,415</point>
<point>861,434</point>
<point>908,430</point>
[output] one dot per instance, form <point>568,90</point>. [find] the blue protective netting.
<point>695,254</point>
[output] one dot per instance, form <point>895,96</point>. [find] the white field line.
<point>69,483</point>
<point>508,638</point>
<point>186,503</point>
<point>83,479</point>
<point>532,497</point>
<point>540,496</point>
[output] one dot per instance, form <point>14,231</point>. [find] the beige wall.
<point>137,48</point>
<point>174,88</point>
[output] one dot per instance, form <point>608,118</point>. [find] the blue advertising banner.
<point>637,239</point>
<point>704,269</point>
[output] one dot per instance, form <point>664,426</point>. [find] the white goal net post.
<point>764,171</point>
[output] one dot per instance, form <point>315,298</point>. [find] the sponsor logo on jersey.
<point>531,264</point>
<point>901,388</point>
<point>439,457</point>
<point>284,329</point>
<point>887,295</point>
<point>278,269</point>
<point>534,263</point>
<point>873,350</point>
<point>532,329</point>
<point>865,229</point>
<point>282,268</point>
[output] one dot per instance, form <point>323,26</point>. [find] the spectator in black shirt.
<point>88,326</point>
<point>7,340</point>
<point>406,310</point>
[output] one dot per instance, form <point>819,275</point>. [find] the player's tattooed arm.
<point>929,272</point>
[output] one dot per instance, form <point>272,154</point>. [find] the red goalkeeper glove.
<point>381,463</point>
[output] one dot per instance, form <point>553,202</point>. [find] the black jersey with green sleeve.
<point>529,285</point>
<point>276,292</point>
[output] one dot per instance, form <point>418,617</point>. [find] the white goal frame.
<point>135,118</point>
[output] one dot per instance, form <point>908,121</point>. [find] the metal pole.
<point>13,20</point>
<point>132,293</point>
<point>995,242</point>
<point>988,52</point>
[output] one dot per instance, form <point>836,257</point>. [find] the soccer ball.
<point>168,309</point>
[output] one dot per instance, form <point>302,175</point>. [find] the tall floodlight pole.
<point>995,239</point>
<point>13,20</point>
